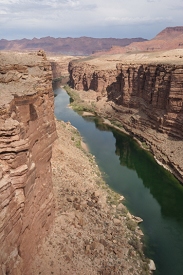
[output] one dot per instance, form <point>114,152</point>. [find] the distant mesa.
<point>168,39</point>
<point>97,46</point>
<point>68,45</point>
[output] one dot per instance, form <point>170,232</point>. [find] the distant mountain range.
<point>71,46</point>
<point>169,38</point>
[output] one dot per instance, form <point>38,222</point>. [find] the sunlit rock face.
<point>147,98</point>
<point>156,89</point>
<point>27,132</point>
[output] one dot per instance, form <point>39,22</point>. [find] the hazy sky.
<point>97,18</point>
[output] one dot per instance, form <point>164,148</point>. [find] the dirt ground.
<point>93,233</point>
<point>106,62</point>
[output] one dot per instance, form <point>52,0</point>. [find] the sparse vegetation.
<point>145,145</point>
<point>132,225</point>
<point>138,246</point>
<point>116,123</point>
<point>124,211</point>
<point>77,103</point>
<point>76,138</point>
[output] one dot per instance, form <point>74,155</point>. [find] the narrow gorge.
<point>144,96</point>
<point>57,216</point>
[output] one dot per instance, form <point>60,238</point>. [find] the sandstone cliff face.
<point>84,76</point>
<point>156,89</point>
<point>143,97</point>
<point>27,131</point>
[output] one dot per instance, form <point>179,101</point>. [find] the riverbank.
<point>93,232</point>
<point>166,150</point>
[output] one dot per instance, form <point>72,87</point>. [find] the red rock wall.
<point>157,90</point>
<point>27,131</point>
<point>86,77</point>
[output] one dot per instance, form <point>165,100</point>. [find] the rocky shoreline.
<point>93,232</point>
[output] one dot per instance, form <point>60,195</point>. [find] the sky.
<point>97,18</point>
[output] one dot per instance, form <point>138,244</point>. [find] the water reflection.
<point>162,184</point>
<point>154,194</point>
<point>98,123</point>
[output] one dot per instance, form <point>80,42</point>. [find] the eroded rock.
<point>27,131</point>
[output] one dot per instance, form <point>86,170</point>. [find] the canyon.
<point>55,218</point>
<point>49,205</point>
<point>143,93</point>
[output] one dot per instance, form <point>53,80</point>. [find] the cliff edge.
<point>27,132</point>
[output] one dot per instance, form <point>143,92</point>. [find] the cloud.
<point>136,20</point>
<point>83,17</point>
<point>177,8</point>
<point>27,6</point>
<point>153,1</point>
<point>30,10</point>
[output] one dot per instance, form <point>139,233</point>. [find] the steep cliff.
<point>146,98</point>
<point>27,131</point>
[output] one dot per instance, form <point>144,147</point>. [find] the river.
<point>150,191</point>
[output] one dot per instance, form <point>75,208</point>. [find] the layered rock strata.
<point>27,131</point>
<point>146,98</point>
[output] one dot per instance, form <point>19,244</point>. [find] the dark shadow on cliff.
<point>127,86</point>
<point>115,90</point>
